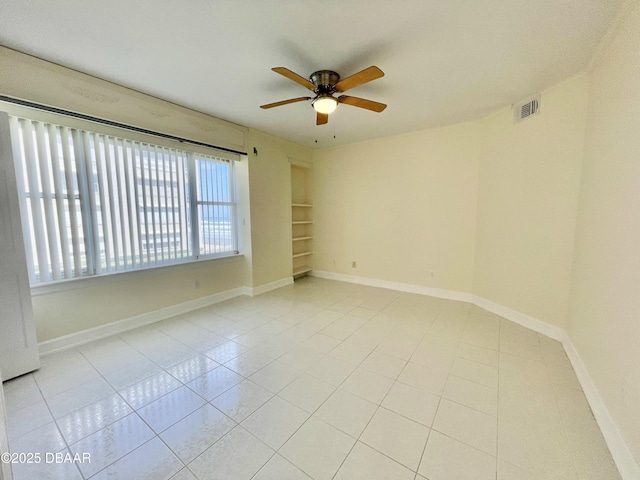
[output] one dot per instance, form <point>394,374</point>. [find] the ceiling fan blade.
<point>322,118</point>
<point>295,77</point>
<point>362,103</point>
<point>359,78</point>
<point>285,102</point>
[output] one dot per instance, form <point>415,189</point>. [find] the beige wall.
<point>400,207</point>
<point>527,202</point>
<point>604,318</point>
<point>404,206</point>
<point>127,295</point>
<point>270,187</point>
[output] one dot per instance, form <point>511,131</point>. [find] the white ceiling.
<point>445,61</point>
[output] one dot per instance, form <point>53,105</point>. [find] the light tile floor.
<point>321,380</point>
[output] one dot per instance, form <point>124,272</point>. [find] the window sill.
<point>110,278</point>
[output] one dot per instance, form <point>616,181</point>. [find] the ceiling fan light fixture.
<point>325,103</point>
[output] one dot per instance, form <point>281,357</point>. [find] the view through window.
<point>95,204</point>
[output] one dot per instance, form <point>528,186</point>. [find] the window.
<point>215,205</point>
<point>95,204</point>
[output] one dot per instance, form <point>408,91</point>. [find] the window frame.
<point>196,201</point>
<point>191,151</point>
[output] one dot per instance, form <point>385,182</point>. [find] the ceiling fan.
<point>324,83</point>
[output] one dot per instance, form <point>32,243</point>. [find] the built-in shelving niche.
<point>301,219</point>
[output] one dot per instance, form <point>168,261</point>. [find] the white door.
<point>5,468</point>
<point>18,343</point>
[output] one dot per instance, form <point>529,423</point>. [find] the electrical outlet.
<point>197,285</point>
<point>432,274</point>
<point>353,264</point>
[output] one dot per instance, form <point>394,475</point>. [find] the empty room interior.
<point>320,240</point>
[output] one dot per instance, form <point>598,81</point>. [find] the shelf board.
<point>303,222</point>
<point>305,205</point>
<point>301,270</point>
<point>303,254</point>
<point>297,239</point>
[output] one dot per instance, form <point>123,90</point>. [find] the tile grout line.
<point>376,410</point>
<point>563,420</point>
<point>135,411</point>
<point>239,424</point>
<point>55,421</point>
<point>313,413</point>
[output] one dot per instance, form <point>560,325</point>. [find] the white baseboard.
<point>79,338</point>
<point>75,339</point>
<point>544,328</point>
<point>534,324</point>
<point>401,287</point>
<point>253,291</point>
<point>628,467</point>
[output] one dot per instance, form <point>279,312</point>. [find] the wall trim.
<point>622,456</point>
<point>544,328</point>
<point>101,331</point>
<point>267,287</point>
<point>78,338</point>
<point>401,287</point>
<point>527,321</point>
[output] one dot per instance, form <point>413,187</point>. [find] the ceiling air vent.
<point>526,109</point>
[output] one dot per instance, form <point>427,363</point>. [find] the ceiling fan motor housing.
<point>325,81</point>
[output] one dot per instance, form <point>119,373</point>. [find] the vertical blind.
<point>94,204</point>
